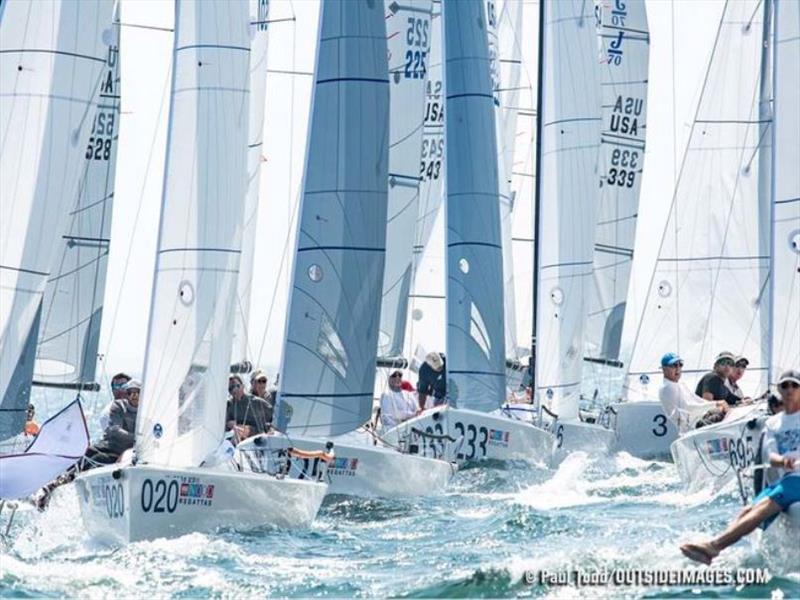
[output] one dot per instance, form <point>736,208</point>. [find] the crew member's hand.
<point>242,431</point>
<point>788,463</point>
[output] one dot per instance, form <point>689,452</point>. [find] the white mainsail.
<point>72,308</point>
<point>408,34</point>
<point>625,41</point>
<point>51,59</point>
<point>425,329</point>
<point>328,368</point>
<point>182,411</point>
<point>709,285</point>
<point>475,328</point>
<point>568,192</point>
<point>259,14</point>
<point>785,218</point>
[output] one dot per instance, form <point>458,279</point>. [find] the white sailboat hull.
<point>365,470</point>
<point>642,429</point>
<point>477,435</point>
<point>708,458</point>
<point>576,436</point>
<point>132,503</point>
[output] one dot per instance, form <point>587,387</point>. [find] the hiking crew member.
<point>782,450</point>
<point>397,405</point>
<point>713,385</point>
<point>685,409</point>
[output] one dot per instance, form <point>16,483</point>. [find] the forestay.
<point>786,192</point>
<point>625,43</point>
<point>51,60</point>
<point>259,14</point>
<point>408,34</point>
<point>475,328</point>
<point>568,198</point>
<point>72,308</point>
<point>710,280</point>
<point>328,366</point>
<point>182,412</point>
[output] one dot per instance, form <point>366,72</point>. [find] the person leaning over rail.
<point>682,407</point>
<point>782,449</point>
<point>432,380</point>
<point>118,437</point>
<point>397,405</point>
<point>713,385</point>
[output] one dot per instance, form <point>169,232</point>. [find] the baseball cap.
<point>133,384</point>
<point>741,361</point>
<point>790,375</point>
<point>725,355</point>
<point>434,359</point>
<point>669,359</point>
<point>257,375</point>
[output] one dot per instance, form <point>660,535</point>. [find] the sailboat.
<point>727,274</point>
<point>475,338</point>
<point>172,486</point>
<point>56,65</point>
<point>331,346</point>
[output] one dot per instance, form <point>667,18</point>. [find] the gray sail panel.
<point>475,327</point>
<point>72,307</point>
<point>785,280</point>
<point>408,32</point>
<point>328,369</point>
<point>54,88</point>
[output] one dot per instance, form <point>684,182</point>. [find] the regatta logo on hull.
<point>498,437</point>
<point>719,447</point>
<point>194,493</point>
<point>343,466</point>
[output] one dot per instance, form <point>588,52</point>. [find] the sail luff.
<point>328,366</point>
<point>182,411</point>
<point>475,338</point>
<point>784,335</point>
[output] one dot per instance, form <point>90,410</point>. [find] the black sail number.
<point>660,429</point>
<point>159,497</point>
<point>460,428</point>
<point>115,500</point>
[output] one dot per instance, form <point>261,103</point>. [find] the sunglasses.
<point>677,365</point>
<point>117,386</point>
<point>233,386</point>
<point>786,385</point>
<point>395,376</point>
<point>725,363</point>
<point>261,381</point>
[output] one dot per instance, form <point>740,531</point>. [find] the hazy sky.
<point>682,34</point>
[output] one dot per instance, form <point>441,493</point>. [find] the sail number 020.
<point>159,497</point>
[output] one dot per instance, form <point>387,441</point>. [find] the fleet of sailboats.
<point>451,200</point>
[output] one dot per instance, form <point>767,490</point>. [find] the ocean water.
<point>476,540</point>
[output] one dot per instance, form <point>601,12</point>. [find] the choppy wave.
<point>477,540</point>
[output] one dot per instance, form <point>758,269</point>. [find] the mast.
<point>766,187</point>
<point>537,193</point>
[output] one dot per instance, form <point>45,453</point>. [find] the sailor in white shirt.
<point>397,405</point>
<point>782,450</point>
<point>681,406</point>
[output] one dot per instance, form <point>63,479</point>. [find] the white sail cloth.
<point>709,285</point>
<point>182,411</point>
<point>408,32</point>
<point>259,14</point>
<point>475,326</point>
<point>62,441</point>
<point>51,59</point>
<point>568,199</point>
<point>624,72</point>
<point>785,281</point>
<point>328,367</point>
<point>72,308</point>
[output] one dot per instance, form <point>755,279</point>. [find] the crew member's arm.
<point>116,426</point>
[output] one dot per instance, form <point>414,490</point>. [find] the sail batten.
<point>328,365</point>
